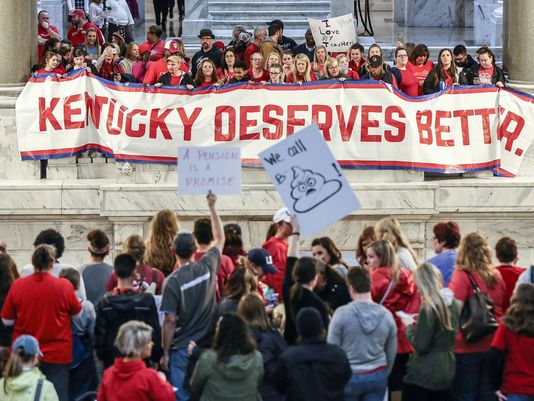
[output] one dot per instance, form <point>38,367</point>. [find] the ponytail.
<point>14,365</point>
<point>43,256</point>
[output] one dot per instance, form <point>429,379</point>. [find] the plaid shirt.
<point>109,70</point>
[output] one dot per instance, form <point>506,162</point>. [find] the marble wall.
<point>434,13</point>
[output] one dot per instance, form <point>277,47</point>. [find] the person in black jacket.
<point>486,72</point>
<point>121,305</point>
<point>270,342</point>
<point>443,75</point>
<point>300,279</point>
<point>313,370</point>
<point>175,76</point>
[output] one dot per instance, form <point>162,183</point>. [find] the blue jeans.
<point>179,360</point>
<point>472,380</point>
<point>367,387</point>
<point>519,397</point>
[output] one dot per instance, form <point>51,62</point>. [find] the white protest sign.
<point>337,34</point>
<point>214,168</point>
<point>309,180</point>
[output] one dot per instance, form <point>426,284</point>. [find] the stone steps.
<point>280,8</point>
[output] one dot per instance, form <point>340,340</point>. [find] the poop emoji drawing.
<point>309,189</point>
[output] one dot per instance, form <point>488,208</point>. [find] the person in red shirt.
<point>420,65</point>
<point>512,349</point>
<point>159,67</point>
<point>206,74</point>
<point>473,362</point>
<point>155,43</point>
<point>394,288</point>
<point>52,64</point>
<point>277,248</point>
<point>45,31</point>
<point>204,236</point>
<point>129,378</point>
<point>80,25</point>
<point>506,252</point>
<point>254,47</point>
<point>42,305</point>
<point>357,60</point>
<point>408,82</point>
<point>301,70</point>
<point>256,71</point>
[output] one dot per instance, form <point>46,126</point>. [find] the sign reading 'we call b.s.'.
<point>309,180</point>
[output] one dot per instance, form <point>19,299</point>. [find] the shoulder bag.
<point>477,319</point>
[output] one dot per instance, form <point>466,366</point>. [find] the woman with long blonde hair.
<point>474,265</point>
<point>393,288</point>
<point>432,367</point>
<point>301,71</point>
<point>389,229</point>
<point>163,229</point>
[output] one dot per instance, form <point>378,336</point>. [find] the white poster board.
<point>337,34</point>
<point>309,180</point>
<point>214,168</point>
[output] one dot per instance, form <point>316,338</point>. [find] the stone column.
<point>19,43</point>
<point>519,37</point>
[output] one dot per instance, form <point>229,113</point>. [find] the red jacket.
<point>403,297</point>
<point>128,381</point>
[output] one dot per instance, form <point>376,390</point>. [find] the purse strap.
<point>476,288</point>
<point>38,390</point>
<point>388,290</point>
<point>532,274</point>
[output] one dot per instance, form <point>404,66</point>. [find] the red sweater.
<point>128,381</point>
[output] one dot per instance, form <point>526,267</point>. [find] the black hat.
<point>309,323</point>
<point>375,61</point>
<point>206,32</point>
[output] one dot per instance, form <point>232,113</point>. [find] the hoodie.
<point>132,380</point>
<point>236,380</point>
<point>22,387</point>
<point>367,333</point>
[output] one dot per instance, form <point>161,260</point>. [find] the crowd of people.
<point>262,57</point>
<point>194,315</point>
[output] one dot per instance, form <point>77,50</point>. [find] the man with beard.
<point>308,47</point>
<point>80,25</point>
<point>462,59</point>
<point>208,51</point>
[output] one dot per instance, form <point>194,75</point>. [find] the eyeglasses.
<point>402,56</point>
<point>333,67</point>
<point>255,59</point>
<point>274,73</point>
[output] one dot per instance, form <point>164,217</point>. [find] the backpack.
<point>82,347</point>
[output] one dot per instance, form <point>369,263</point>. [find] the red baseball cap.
<point>172,46</point>
<point>78,11</point>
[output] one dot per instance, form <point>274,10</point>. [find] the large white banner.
<point>366,124</point>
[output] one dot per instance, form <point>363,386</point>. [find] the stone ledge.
<point>106,198</point>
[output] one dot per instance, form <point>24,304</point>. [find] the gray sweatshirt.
<point>367,333</point>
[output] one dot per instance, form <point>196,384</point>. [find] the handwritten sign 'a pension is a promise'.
<point>203,169</point>
<point>309,180</point>
<point>336,34</point>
